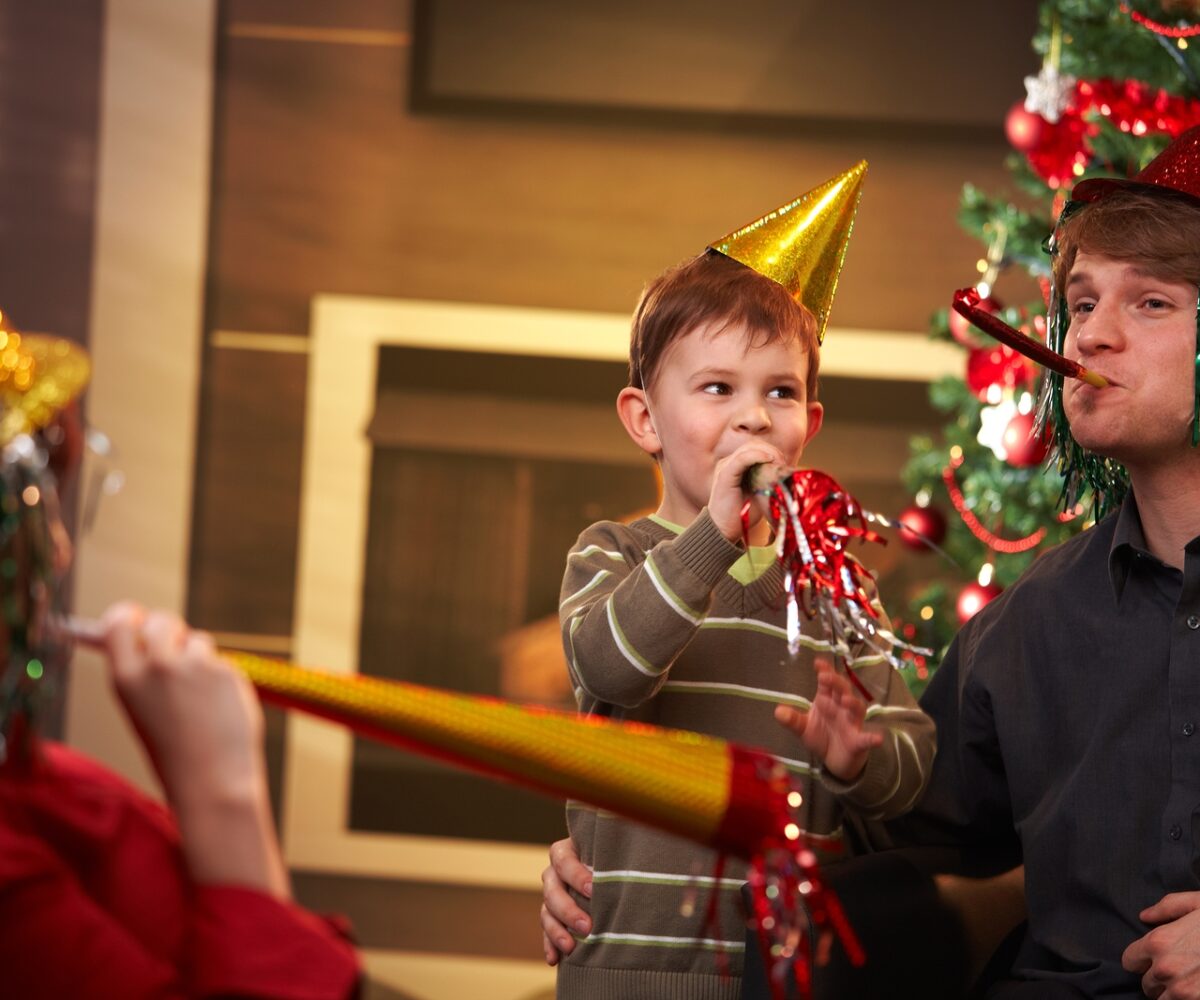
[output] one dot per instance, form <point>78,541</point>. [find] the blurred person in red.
<point>105,892</point>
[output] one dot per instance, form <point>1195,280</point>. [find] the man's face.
<point>1139,332</point>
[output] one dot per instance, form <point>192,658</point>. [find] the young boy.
<point>669,620</point>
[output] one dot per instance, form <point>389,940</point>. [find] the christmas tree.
<point>1118,81</point>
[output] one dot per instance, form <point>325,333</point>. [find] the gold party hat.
<point>802,244</point>
<point>39,376</point>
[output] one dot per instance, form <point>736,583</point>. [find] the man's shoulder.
<point>1053,573</point>
<point>1086,552</point>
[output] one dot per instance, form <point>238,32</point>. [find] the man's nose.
<point>1103,329</point>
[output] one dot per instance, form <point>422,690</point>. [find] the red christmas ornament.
<point>921,524</point>
<point>973,597</point>
<point>997,365</point>
<point>1022,446</point>
<point>1024,128</point>
<point>962,330</point>
<point>1062,146</point>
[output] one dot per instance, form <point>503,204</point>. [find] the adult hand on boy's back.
<point>1168,957</point>
<point>561,915</point>
<point>833,729</point>
<point>727,497</point>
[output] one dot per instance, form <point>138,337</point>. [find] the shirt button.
<point>1193,621</point>
<point>1188,728</point>
<point>1175,832</point>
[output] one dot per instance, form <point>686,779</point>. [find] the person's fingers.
<point>199,647</point>
<point>164,636</point>
<point>1171,907</point>
<point>549,951</point>
<point>791,718</point>
<point>556,939</point>
<point>566,866</point>
<point>122,625</point>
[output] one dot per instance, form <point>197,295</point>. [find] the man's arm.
<point>966,805</point>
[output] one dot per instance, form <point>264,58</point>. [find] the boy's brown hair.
<point>1153,228</point>
<point>714,288</point>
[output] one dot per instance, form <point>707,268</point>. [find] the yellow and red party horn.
<point>734,798</point>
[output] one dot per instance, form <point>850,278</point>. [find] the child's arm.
<point>893,745</point>
<point>626,618</point>
<point>900,740</point>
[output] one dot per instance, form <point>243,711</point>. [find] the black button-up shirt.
<point>1067,713</point>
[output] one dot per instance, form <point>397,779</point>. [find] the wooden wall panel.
<point>49,128</point>
<point>806,61</point>
<point>248,492</point>
<point>49,134</point>
<point>325,180</point>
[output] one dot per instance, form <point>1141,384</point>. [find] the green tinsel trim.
<point>1083,471</point>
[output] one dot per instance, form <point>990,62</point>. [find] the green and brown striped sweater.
<point>682,628</point>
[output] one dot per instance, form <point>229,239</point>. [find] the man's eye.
<point>1082,307</point>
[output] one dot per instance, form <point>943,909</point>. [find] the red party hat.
<point>1176,168</point>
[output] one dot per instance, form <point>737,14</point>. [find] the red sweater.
<point>95,902</point>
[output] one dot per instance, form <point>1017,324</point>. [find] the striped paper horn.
<point>718,793</point>
<point>709,790</point>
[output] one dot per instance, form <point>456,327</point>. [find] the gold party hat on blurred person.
<point>39,376</point>
<point>802,244</point>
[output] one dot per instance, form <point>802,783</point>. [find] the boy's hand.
<point>727,498</point>
<point>833,729</point>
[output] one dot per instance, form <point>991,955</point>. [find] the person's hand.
<point>726,498</point>
<point>202,725</point>
<point>1168,957</point>
<point>559,909</point>
<point>198,718</point>
<point>833,729</point>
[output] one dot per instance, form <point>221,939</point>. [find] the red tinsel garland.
<point>1005,546</point>
<point>1166,30</point>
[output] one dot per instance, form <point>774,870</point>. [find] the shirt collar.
<point>1127,543</point>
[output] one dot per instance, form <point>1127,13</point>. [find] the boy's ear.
<point>816,417</point>
<point>635,417</point>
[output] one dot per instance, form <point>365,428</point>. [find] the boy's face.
<point>1139,332</point>
<point>714,392</point>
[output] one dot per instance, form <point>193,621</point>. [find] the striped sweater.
<point>657,628</point>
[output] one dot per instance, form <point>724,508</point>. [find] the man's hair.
<point>1156,229</point>
<point>713,288</point>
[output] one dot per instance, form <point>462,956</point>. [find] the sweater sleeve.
<point>626,614</point>
<point>897,771</point>
<point>95,902</point>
